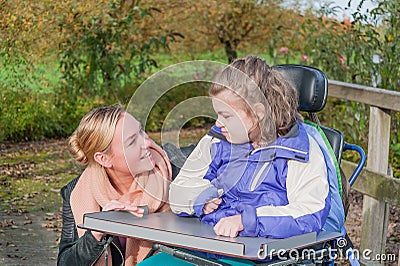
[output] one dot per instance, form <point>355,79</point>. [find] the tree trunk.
<point>230,51</point>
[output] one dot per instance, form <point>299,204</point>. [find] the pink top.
<point>122,241</point>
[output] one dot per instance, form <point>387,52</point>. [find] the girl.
<point>267,173</point>
<point>125,170</point>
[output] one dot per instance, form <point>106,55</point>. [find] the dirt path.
<point>28,239</point>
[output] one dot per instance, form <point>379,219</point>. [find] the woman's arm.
<point>84,251</point>
<point>74,250</point>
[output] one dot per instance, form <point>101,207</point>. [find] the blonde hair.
<point>94,133</point>
<point>255,81</point>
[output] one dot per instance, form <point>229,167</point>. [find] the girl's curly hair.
<point>254,81</point>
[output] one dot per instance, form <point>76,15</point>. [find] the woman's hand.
<point>229,226</point>
<point>116,205</point>
<point>211,205</point>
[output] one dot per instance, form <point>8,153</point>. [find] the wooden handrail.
<point>378,186</point>
<point>381,98</point>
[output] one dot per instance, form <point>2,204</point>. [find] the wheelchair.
<point>188,241</point>
<point>312,86</point>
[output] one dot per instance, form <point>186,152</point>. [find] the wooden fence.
<point>380,190</point>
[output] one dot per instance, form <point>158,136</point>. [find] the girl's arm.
<point>190,181</point>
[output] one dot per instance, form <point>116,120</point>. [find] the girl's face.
<point>129,149</point>
<point>233,119</point>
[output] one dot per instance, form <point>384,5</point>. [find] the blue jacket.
<point>280,191</point>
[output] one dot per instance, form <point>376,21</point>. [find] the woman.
<point>124,170</point>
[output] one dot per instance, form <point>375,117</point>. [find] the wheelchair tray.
<point>191,233</point>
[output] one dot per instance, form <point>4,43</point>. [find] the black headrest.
<point>311,84</point>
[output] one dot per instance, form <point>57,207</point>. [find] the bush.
<point>28,115</point>
<point>344,50</point>
<point>27,105</point>
<point>169,100</point>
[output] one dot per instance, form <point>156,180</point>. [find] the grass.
<point>42,77</point>
<point>32,173</point>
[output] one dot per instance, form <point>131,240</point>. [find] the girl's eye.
<point>132,142</point>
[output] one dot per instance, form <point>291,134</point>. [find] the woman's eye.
<point>132,142</point>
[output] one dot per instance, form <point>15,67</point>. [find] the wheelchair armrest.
<point>361,163</point>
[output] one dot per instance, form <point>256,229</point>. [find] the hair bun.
<point>75,149</point>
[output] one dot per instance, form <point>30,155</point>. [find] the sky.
<point>368,4</point>
<point>354,3</point>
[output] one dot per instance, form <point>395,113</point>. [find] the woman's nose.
<point>147,141</point>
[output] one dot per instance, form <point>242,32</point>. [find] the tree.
<point>104,49</point>
<point>231,25</point>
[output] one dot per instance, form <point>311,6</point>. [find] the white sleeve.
<point>189,183</point>
<point>307,187</point>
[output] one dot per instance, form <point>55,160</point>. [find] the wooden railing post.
<point>376,213</point>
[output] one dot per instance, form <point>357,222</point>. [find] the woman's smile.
<point>146,155</point>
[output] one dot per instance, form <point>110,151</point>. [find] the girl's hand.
<point>116,205</point>
<point>229,226</point>
<point>211,205</point>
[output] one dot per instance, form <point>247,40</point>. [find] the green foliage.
<point>213,25</point>
<point>107,48</point>
<point>173,97</point>
<point>102,56</point>
<point>96,56</point>
<point>104,50</point>
<point>27,109</point>
<point>360,51</point>
<point>28,114</point>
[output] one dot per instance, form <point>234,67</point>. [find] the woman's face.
<point>129,150</point>
<point>233,120</point>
